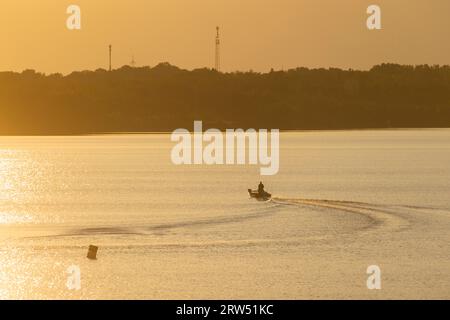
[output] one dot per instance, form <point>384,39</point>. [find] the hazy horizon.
<point>255,35</point>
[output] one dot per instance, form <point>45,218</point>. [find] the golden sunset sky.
<point>256,34</point>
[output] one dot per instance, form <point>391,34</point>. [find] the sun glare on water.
<point>16,180</point>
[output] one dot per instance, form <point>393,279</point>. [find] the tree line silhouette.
<point>165,97</point>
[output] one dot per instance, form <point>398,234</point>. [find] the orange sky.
<point>256,34</point>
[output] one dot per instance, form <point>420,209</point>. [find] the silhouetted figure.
<point>260,188</point>
<point>260,194</point>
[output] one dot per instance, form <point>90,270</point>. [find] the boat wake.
<point>379,216</point>
<point>161,229</point>
<point>353,217</point>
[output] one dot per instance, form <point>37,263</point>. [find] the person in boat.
<point>261,188</point>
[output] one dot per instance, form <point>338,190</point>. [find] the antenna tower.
<point>217,67</point>
<point>110,57</point>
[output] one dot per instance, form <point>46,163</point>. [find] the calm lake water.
<point>342,201</point>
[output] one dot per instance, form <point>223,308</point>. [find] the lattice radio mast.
<point>110,57</point>
<point>217,50</point>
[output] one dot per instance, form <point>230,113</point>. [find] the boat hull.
<point>259,196</point>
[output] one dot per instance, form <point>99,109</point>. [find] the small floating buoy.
<point>92,252</point>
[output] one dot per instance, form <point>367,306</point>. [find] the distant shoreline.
<point>163,98</point>
<point>169,132</point>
